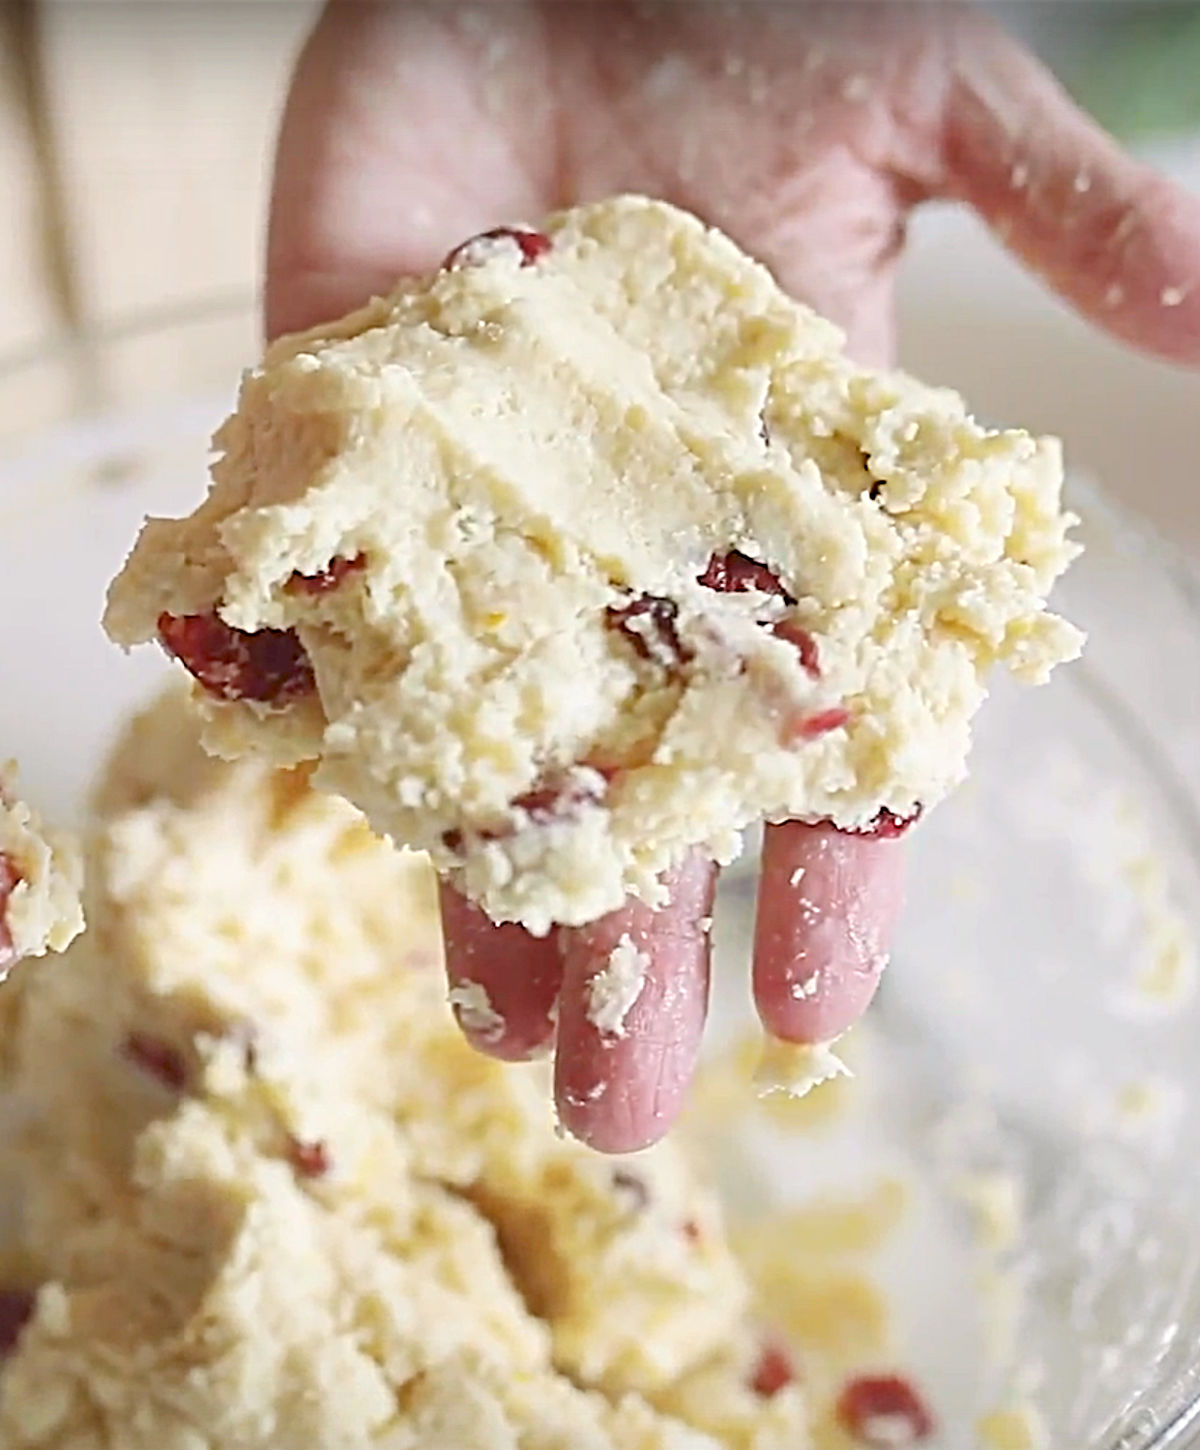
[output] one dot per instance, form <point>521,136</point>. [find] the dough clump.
<point>594,547</point>
<point>271,1200</point>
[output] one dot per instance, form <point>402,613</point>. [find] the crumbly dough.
<point>274,1202</point>
<point>795,1068</point>
<point>504,524</point>
<point>41,877</point>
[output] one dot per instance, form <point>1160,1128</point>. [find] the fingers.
<point>1109,234</point>
<point>401,136</point>
<point>320,264</point>
<point>631,1014</point>
<point>503,982</point>
<point>827,905</point>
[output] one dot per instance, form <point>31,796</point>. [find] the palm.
<point>790,135</point>
<point>806,131</point>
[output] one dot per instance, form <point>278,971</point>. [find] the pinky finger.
<point>504,982</point>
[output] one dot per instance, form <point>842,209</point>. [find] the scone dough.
<point>273,1201</point>
<point>40,880</point>
<point>594,547</point>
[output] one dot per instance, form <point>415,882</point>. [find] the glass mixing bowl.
<point>1030,1065</point>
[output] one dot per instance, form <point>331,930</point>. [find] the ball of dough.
<point>594,547</point>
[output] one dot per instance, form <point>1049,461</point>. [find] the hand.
<point>808,133</point>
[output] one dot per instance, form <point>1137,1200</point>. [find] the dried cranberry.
<point>805,645</point>
<point>310,1160</point>
<point>885,826</point>
<point>656,637</point>
<point>10,877</point>
<point>473,253</point>
<point>328,578</point>
<point>16,1310</point>
<point>269,665</point>
<point>633,1187</point>
<point>540,804</point>
<point>809,727</point>
<point>157,1059</point>
<point>556,798</point>
<point>774,1371</point>
<point>736,573</point>
<point>884,1411</point>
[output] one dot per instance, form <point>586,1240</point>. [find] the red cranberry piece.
<point>736,573</point>
<point>310,1160</point>
<point>557,798</point>
<point>269,665</point>
<point>805,645</point>
<point>10,877</point>
<point>649,624</point>
<point>774,1371</point>
<point>884,1411</point>
<point>16,1310</point>
<point>886,826</point>
<point>809,727</point>
<point>157,1059</point>
<point>328,578</point>
<point>530,245</point>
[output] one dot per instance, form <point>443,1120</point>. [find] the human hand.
<point>807,132</point>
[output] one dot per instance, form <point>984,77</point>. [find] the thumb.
<point>1110,235</point>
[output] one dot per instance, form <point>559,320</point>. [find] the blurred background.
<point>135,142</point>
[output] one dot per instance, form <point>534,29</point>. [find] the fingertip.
<point>828,903</point>
<point>631,1015</point>
<point>503,982</point>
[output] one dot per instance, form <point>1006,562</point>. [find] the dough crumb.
<point>795,1068</point>
<point>997,1206</point>
<point>473,1008</point>
<point>614,990</point>
<point>1017,1428</point>
<point>41,876</point>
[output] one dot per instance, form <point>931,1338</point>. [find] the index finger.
<point>390,151</point>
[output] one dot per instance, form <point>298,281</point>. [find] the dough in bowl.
<point>271,1198</point>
